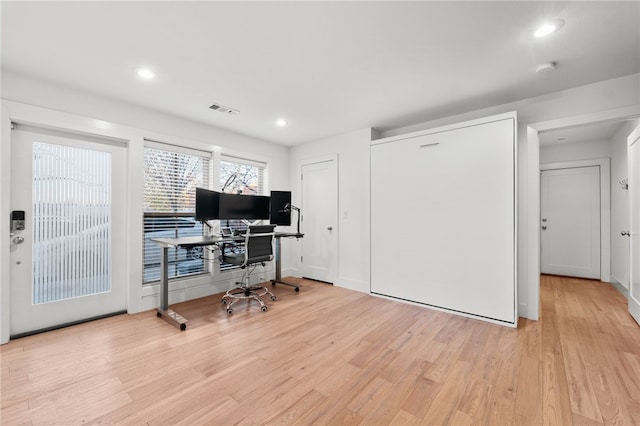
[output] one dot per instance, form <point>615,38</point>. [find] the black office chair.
<point>258,249</point>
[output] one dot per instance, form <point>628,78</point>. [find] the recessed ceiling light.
<point>146,73</point>
<point>281,123</point>
<point>547,28</point>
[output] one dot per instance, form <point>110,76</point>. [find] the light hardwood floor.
<point>332,356</point>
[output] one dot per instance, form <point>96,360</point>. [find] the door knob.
<point>18,240</point>
<point>544,219</point>
<point>544,227</point>
<point>627,233</point>
<point>329,228</point>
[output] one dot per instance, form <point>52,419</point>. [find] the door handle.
<point>18,239</point>
<point>627,233</point>
<point>329,228</point>
<point>544,227</point>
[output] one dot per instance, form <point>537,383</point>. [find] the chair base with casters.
<point>246,292</point>
<point>258,249</point>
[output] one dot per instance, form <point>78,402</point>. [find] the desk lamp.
<point>287,208</point>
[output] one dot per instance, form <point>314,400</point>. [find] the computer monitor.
<point>280,208</point>
<point>237,206</point>
<point>207,204</point>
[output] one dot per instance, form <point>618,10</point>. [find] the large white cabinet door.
<point>443,219</point>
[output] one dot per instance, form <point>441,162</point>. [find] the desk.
<point>279,236</point>
<point>171,316</point>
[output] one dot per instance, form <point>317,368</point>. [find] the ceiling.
<point>325,67</point>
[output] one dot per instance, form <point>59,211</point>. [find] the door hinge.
<point>301,176</point>
<point>13,125</point>
<point>300,259</point>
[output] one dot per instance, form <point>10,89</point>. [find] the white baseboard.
<point>200,286</point>
<point>523,310</point>
<point>620,287</point>
<point>291,272</point>
<point>634,310</point>
<point>351,284</point>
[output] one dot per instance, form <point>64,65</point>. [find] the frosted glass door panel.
<point>453,193</point>
<point>71,222</point>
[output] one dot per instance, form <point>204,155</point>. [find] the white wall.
<point>575,151</point>
<point>47,104</point>
<point>39,93</point>
<point>620,205</point>
<point>353,202</point>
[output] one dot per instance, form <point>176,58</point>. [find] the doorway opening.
<point>575,219</point>
<point>536,135</point>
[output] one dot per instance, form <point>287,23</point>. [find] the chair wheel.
<point>229,311</point>
<point>264,309</point>
<point>158,314</point>
<point>297,289</point>
<point>224,301</point>
<point>273,298</point>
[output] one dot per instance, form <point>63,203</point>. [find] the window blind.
<point>171,175</point>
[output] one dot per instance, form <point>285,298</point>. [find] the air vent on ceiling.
<point>224,109</point>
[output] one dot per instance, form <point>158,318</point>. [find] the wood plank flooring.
<point>331,356</point>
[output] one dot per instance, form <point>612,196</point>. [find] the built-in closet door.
<point>443,219</point>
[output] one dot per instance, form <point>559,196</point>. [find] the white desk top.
<point>192,241</point>
<point>208,241</point>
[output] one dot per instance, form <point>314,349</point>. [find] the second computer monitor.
<point>280,208</point>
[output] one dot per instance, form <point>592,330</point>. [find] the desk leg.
<point>163,311</point>
<point>278,279</point>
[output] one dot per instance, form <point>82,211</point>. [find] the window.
<point>171,175</point>
<point>240,176</point>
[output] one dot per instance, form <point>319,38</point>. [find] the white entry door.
<point>320,220</point>
<point>68,263</point>
<point>570,222</point>
<point>634,193</point>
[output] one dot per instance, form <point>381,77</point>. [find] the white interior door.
<point>570,222</point>
<point>68,263</point>
<point>634,193</point>
<point>319,220</point>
